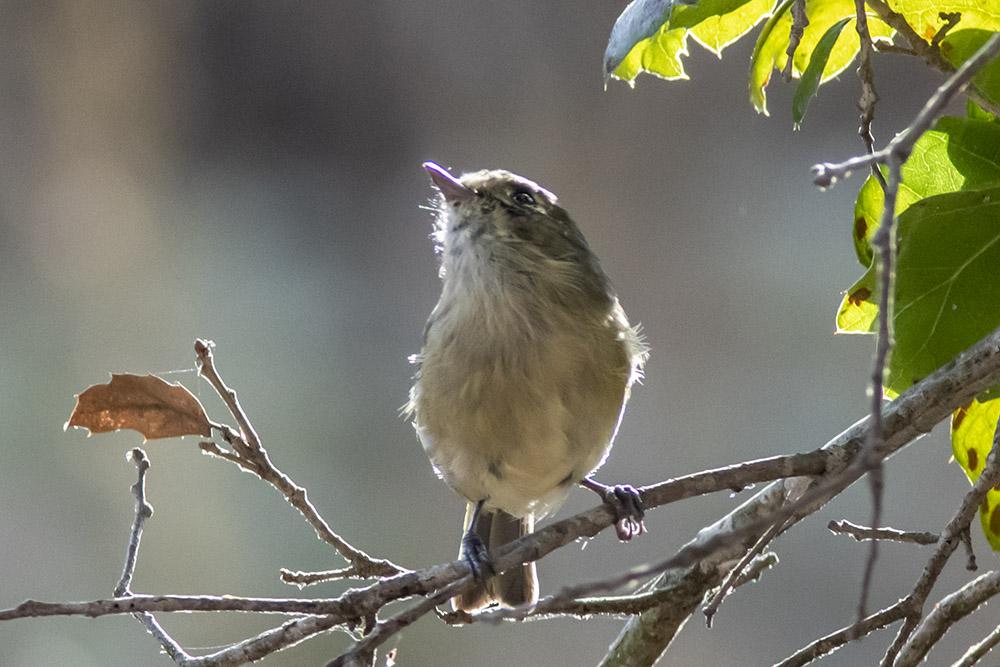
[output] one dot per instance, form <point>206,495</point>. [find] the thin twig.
<point>834,640</point>
<point>303,579</point>
<point>914,413</point>
<point>930,52</point>
<point>884,243</point>
<point>869,97</point>
<point>827,174</point>
<point>799,22</point>
<point>950,539</point>
<point>730,583</point>
<point>950,610</point>
<point>251,456</point>
<point>909,608</point>
<point>862,533</point>
<point>365,648</point>
<point>950,19</point>
<point>978,651</point>
<point>143,510</point>
<point>970,555</point>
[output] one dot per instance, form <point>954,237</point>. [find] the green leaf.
<point>979,19</point>
<point>946,287</point>
<point>770,47</point>
<point>925,15</point>
<point>651,35</point>
<point>960,45</point>
<point>972,429</point>
<point>867,217</point>
<point>814,70</point>
<point>772,44</point>
<point>640,20</point>
<point>715,24</point>
<point>859,308</point>
<point>975,112</point>
<point>659,55</point>
<point>958,154</point>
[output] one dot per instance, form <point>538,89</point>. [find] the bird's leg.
<point>626,503</point>
<point>474,552</point>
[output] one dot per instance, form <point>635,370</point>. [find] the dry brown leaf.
<point>145,403</point>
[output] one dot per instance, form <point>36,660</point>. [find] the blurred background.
<point>250,172</point>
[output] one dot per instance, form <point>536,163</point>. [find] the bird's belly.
<point>519,443</point>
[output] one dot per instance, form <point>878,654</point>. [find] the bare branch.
<point>799,23</point>
<point>251,456</point>
<point>979,650</point>
<point>930,52</point>
<point>364,651</point>
<point>143,510</point>
<point>951,536</point>
<point>698,567</point>
<point>835,640</point>
<point>915,411</point>
<point>869,97</point>
<point>862,533</point>
<point>909,608</point>
<point>946,613</point>
<point>970,556</point>
<point>729,584</point>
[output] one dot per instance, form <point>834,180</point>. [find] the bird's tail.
<point>514,587</point>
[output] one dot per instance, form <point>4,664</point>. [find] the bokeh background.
<point>250,172</point>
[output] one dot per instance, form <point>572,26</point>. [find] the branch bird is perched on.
<point>525,371</point>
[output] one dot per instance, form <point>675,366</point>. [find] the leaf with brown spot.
<point>995,521</point>
<point>958,417</point>
<point>972,431</point>
<point>859,296</point>
<point>145,403</point>
<point>860,228</point>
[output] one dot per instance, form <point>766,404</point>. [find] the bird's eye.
<point>523,197</point>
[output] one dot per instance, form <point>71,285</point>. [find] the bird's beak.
<point>452,189</point>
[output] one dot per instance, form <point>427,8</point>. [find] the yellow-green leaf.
<point>651,35</point>
<point>972,429</point>
<point>772,44</point>
<point>814,70</point>
<point>947,283</point>
<point>958,154</point>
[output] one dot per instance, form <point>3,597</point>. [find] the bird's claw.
<point>627,504</point>
<point>476,556</point>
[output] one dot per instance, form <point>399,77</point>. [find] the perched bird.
<point>525,369</point>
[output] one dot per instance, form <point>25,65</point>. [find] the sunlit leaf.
<point>144,403</point>
<point>958,154</point>
<point>972,429</point>
<point>640,20</point>
<point>715,24</point>
<point>859,308</point>
<point>960,45</point>
<point>946,283</point>
<point>925,15</point>
<point>651,35</point>
<point>814,70</point>
<point>772,44</point>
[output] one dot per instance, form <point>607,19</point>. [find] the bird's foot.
<point>625,501</point>
<point>476,556</point>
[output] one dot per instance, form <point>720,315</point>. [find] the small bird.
<point>525,370</point>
